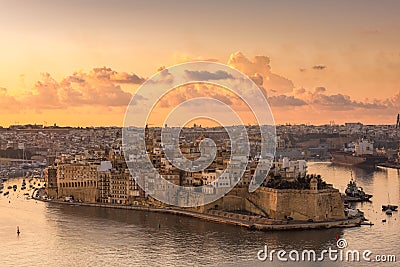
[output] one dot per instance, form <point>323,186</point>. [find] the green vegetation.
<point>301,183</point>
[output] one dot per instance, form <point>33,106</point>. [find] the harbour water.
<point>62,235</point>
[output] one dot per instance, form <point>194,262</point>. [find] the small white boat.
<point>389,212</point>
<point>351,212</point>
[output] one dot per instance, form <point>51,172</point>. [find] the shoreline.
<point>346,223</point>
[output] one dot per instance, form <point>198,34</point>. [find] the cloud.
<point>299,91</point>
<point>319,90</point>
<point>259,81</point>
<point>206,75</point>
<point>45,95</point>
<point>8,102</point>
<point>191,91</point>
<point>189,58</point>
<point>104,88</point>
<point>98,87</point>
<point>395,99</point>
<point>284,100</point>
<point>319,98</point>
<point>333,102</point>
<point>118,77</point>
<point>164,77</point>
<point>260,67</point>
<point>319,67</point>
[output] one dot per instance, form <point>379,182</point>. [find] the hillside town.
<point>94,165</point>
<point>33,147</point>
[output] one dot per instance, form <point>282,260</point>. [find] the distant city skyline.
<point>78,63</point>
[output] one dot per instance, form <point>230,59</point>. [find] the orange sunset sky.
<point>78,63</point>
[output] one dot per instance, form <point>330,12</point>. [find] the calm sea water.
<point>59,235</point>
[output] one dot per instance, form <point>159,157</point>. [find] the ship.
<point>353,193</point>
<point>361,153</point>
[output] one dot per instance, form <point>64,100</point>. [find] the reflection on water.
<point>85,236</point>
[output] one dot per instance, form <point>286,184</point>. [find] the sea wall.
<point>279,204</point>
<point>317,205</point>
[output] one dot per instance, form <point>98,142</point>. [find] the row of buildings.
<point>93,180</point>
<point>107,178</point>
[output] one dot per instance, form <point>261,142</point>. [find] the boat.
<point>351,212</point>
<point>388,209</point>
<point>391,207</point>
<point>353,193</point>
<point>360,153</point>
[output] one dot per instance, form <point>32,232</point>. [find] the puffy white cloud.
<point>260,67</point>
<point>191,91</point>
<point>98,87</point>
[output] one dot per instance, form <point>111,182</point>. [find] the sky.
<point>79,63</point>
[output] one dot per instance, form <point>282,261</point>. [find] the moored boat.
<point>391,207</point>
<point>355,193</point>
<point>388,209</point>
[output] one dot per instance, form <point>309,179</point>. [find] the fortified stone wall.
<point>320,205</point>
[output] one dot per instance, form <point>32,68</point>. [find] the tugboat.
<point>355,193</point>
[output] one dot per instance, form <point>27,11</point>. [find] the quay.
<point>249,222</point>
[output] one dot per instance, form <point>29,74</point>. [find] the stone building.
<point>78,181</point>
<point>50,175</point>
